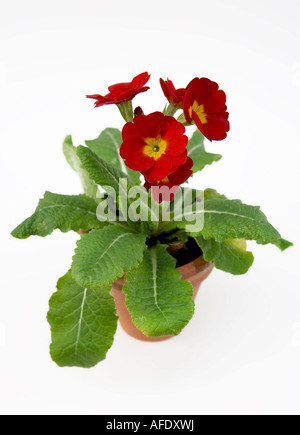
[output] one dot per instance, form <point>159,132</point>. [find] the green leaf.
<point>107,146</point>
<point>225,219</point>
<point>100,171</point>
<point>105,255</point>
<point>83,323</point>
<point>231,219</point>
<point>213,194</point>
<point>180,235</point>
<point>197,153</point>
<point>141,208</point>
<point>282,244</point>
<point>63,212</point>
<point>113,181</point>
<point>229,256</point>
<point>159,301</point>
<point>89,186</point>
<point>103,173</point>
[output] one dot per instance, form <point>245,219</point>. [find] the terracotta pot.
<point>195,272</point>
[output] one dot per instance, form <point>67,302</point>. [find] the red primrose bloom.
<point>154,145</point>
<point>205,104</point>
<point>122,91</point>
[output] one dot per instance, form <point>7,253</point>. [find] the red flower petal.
<point>119,88</point>
<point>204,88</point>
<point>183,173</point>
<point>188,101</point>
<point>122,91</point>
<point>171,127</point>
<point>139,162</point>
<point>216,128</point>
<point>215,103</point>
<point>173,95</point>
<point>161,189</point>
<point>160,170</point>
<point>179,160</point>
<point>132,146</point>
<point>140,80</point>
<point>129,130</point>
<point>149,125</point>
<point>100,100</point>
<point>176,144</point>
<point>163,192</point>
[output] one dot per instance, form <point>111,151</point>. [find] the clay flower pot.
<point>195,272</point>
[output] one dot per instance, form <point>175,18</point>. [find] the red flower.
<point>205,103</point>
<point>173,95</point>
<point>122,91</point>
<point>172,181</point>
<point>154,144</point>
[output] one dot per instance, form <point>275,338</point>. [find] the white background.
<point>241,351</point>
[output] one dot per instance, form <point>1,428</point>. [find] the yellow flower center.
<point>165,180</point>
<point>155,147</point>
<point>199,110</point>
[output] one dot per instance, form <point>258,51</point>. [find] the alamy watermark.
<point>148,424</point>
<point>135,204</point>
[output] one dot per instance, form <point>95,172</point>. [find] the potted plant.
<point>135,231</point>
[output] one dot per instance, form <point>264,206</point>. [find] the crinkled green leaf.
<point>83,323</point>
<point>109,177</point>
<point>226,219</point>
<point>231,219</point>
<point>282,244</point>
<point>105,255</point>
<point>197,153</point>
<point>159,301</point>
<point>63,212</point>
<point>89,186</point>
<point>229,256</point>
<point>107,146</point>
<point>99,170</point>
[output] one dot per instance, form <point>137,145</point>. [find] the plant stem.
<point>126,110</point>
<point>170,110</point>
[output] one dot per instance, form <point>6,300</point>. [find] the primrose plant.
<point>136,220</point>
